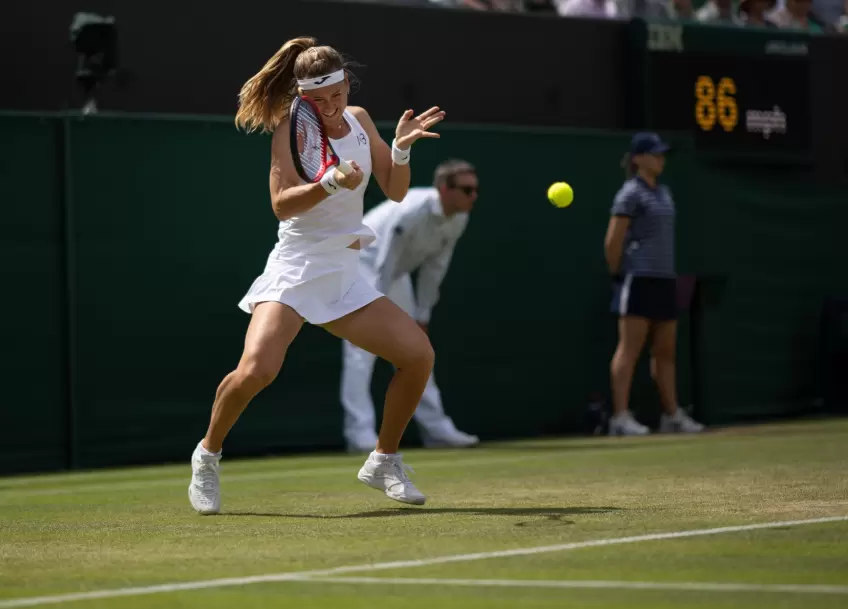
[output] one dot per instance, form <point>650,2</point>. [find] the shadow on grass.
<point>550,513</point>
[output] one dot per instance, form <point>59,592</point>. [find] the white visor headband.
<point>322,81</point>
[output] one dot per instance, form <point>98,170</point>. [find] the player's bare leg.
<point>383,329</point>
<point>273,327</point>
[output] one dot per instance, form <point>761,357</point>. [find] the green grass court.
<point>316,537</point>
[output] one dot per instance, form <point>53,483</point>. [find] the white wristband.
<point>328,181</point>
<point>399,157</point>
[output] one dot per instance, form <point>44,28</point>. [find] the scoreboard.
<point>742,94</point>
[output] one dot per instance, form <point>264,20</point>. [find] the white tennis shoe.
<point>625,425</point>
<point>453,439</point>
<point>387,473</point>
<point>204,491</point>
<point>679,422</point>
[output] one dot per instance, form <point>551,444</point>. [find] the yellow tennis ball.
<point>560,194</point>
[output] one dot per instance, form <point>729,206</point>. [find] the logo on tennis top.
<point>362,139</point>
<point>318,82</point>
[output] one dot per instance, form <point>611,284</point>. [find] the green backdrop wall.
<point>128,240</point>
<point>33,356</point>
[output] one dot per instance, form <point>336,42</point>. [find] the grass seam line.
<point>589,584</point>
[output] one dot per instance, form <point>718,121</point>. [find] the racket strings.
<point>310,142</point>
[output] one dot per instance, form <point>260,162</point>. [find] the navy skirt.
<point>654,298</point>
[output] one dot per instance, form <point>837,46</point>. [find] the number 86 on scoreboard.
<point>716,103</point>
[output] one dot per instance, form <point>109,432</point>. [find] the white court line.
<point>603,585</point>
<point>402,564</point>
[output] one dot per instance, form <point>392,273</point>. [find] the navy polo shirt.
<point>649,244</point>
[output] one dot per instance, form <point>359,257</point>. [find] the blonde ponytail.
<point>265,99</point>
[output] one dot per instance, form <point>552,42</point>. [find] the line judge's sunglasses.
<point>468,190</point>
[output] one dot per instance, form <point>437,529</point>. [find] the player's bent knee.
<point>420,355</point>
<point>428,354</point>
<point>254,376</point>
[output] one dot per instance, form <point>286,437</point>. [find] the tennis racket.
<point>310,147</point>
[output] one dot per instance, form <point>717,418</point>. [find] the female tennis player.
<point>312,274</point>
<point>640,252</point>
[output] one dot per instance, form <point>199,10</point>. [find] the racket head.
<point>310,146</point>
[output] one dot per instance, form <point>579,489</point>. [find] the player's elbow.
<point>397,196</point>
<point>280,211</point>
<point>396,193</point>
<point>283,208</point>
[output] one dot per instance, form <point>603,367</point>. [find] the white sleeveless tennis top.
<point>336,222</point>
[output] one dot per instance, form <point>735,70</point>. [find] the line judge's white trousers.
<point>360,424</point>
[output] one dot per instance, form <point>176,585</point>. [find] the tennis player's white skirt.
<point>319,287</point>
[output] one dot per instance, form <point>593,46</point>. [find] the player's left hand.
<point>410,129</point>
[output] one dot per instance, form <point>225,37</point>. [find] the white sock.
<point>380,457</point>
<point>207,453</point>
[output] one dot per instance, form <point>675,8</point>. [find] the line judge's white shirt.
<point>413,235</point>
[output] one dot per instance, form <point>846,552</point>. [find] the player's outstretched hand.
<point>351,180</point>
<point>410,129</point>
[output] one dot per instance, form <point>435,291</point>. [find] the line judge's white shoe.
<point>679,422</point>
<point>625,425</point>
<point>453,439</point>
<point>387,473</point>
<point>204,491</point>
<point>361,444</point>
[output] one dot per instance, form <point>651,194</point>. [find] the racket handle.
<point>345,167</point>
